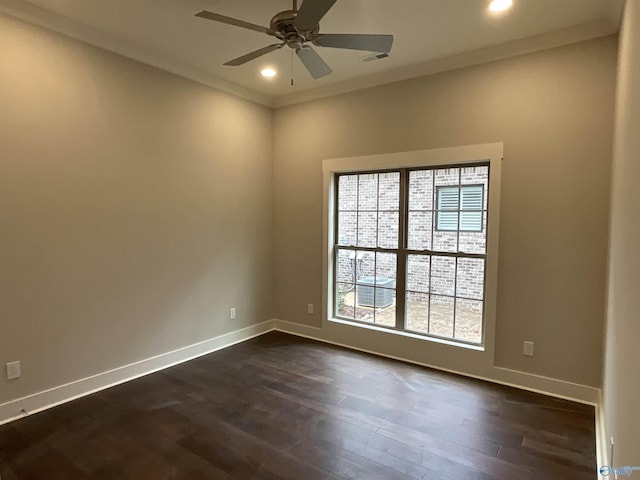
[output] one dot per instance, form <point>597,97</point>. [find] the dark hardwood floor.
<point>281,407</point>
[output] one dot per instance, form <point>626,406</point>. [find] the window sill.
<point>402,333</point>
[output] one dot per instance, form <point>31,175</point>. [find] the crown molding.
<point>578,33</point>
<point>32,14</point>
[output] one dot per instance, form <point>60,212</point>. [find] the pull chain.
<point>295,9</point>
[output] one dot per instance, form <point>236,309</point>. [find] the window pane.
<point>419,232</point>
<point>445,241</point>
<point>447,221</point>
<point>386,266</point>
<point>385,302</point>
<point>475,242</point>
<point>418,273</point>
<point>448,205</point>
<point>389,191</point>
<point>367,228</point>
<point>376,305</point>
<point>441,316</point>
<point>364,303</point>
<point>447,177</point>
<point>417,312</point>
<point>470,278</point>
<point>368,192</point>
<point>445,237</point>
<point>345,300</point>
<point>469,320</point>
<point>347,222</point>
<point>471,221</point>
<point>421,190</point>
<point>347,192</point>
<point>476,176</point>
<point>346,266</point>
<point>388,229</point>
<point>448,198</point>
<point>443,270</point>
<point>365,266</point>
<point>472,197</point>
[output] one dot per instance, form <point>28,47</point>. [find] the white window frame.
<point>486,153</point>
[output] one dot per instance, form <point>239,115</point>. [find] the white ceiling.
<point>429,35</point>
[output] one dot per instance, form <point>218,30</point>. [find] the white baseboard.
<point>43,400</point>
<point>526,381</point>
<point>602,446</point>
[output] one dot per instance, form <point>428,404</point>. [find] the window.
<point>464,202</point>
<point>368,223</point>
<point>410,249</point>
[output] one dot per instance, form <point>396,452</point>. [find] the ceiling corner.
<point>615,10</point>
<point>40,17</point>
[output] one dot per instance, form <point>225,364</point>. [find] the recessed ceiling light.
<point>268,72</point>
<point>500,5</point>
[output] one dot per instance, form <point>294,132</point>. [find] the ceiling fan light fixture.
<point>500,5</point>
<point>268,72</point>
<point>298,30</point>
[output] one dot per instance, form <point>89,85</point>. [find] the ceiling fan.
<point>295,28</point>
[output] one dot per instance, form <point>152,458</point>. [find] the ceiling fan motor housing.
<point>283,24</point>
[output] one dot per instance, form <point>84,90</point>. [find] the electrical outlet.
<point>13,370</point>
<point>232,313</point>
<point>528,349</point>
<point>310,308</point>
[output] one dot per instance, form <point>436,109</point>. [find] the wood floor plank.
<point>281,407</point>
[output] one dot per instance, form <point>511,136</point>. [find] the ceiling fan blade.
<point>313,62</point>
<point>234,21</point>
<point>250,56</point>
<point>311,13</point>
<point>370,43</point>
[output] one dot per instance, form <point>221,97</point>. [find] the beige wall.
<point>135,209</point>
<point>554,112</point>
<point>622,359</point>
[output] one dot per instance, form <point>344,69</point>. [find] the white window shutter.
<point>471,208</point>
<point>448,202</point>
<point>467,201</point>
<point>471,221</point>
<point>448,221</point>
<point>472,197</point>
